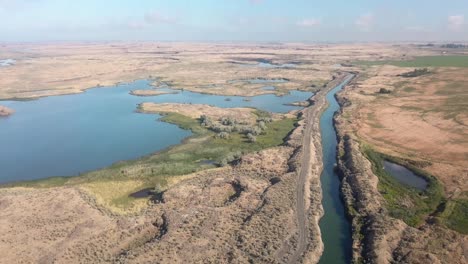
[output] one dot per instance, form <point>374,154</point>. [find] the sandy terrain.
<point>150,92</point>
<point>197,110</point>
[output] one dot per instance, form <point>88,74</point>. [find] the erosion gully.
<point>334,225</point>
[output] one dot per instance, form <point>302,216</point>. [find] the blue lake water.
<point>269,88</point>
<point>71,134</point>
<point>405,176</point>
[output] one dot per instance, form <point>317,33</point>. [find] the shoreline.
<point>311,187</point>
<point>60,92</point>
<point>308,186</point>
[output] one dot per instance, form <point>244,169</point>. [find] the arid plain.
<point>248,209</point>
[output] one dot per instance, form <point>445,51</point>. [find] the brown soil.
<point>196,110</point>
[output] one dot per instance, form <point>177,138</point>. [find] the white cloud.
<point>365,22</point>
<point>456,22</point>
<point>310,22</point>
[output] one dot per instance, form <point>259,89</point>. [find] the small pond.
<point>405,176</point>
<point>271,65</point>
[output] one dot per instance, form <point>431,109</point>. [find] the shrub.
<point>157,189</point>
<point>262,125</point>
<point>415,73</point>
<point>230,158</point>
<point>206,121</point>
<point>228,121</point>
<point>251,138</point>
<point>223,135</point>
<point>224,162</point>
<point>265,119</point>
<point>255,131</point>
<point>384,91</point>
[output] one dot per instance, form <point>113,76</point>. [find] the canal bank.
<point>309,209</point>
<point>334,225</point>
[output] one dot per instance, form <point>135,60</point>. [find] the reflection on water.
<point>335,228</point>
<point>71,134</point>
<point>405,176</point>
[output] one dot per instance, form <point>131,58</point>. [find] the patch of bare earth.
<point>421,119</point>
<point>197,110</point>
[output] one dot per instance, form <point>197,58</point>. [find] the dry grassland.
<point>52,69</point>
<point>423,118</point>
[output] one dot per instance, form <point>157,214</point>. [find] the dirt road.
<point>311,168</point>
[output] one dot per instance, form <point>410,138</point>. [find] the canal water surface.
<point>334,226</point>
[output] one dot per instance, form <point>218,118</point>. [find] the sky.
<point>233,20</point>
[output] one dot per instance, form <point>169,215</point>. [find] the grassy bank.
<point>455,215</point>
<point>404,202</point>
<point>113,184</point>
<point>423,61</point>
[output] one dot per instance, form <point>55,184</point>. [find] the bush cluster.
<point>415,73</point>
<point>384,91</point>
<point>230,158</point>
<point>226,125</point>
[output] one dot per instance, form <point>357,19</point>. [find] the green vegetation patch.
<point>415,73</point>
<point>455,215</point>
<point>424,61</point>
<point>404,202</point>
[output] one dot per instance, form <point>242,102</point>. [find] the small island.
<point>5,111</point>
<point>150,92</point>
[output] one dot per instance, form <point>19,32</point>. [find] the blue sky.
<point>234,20</point>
